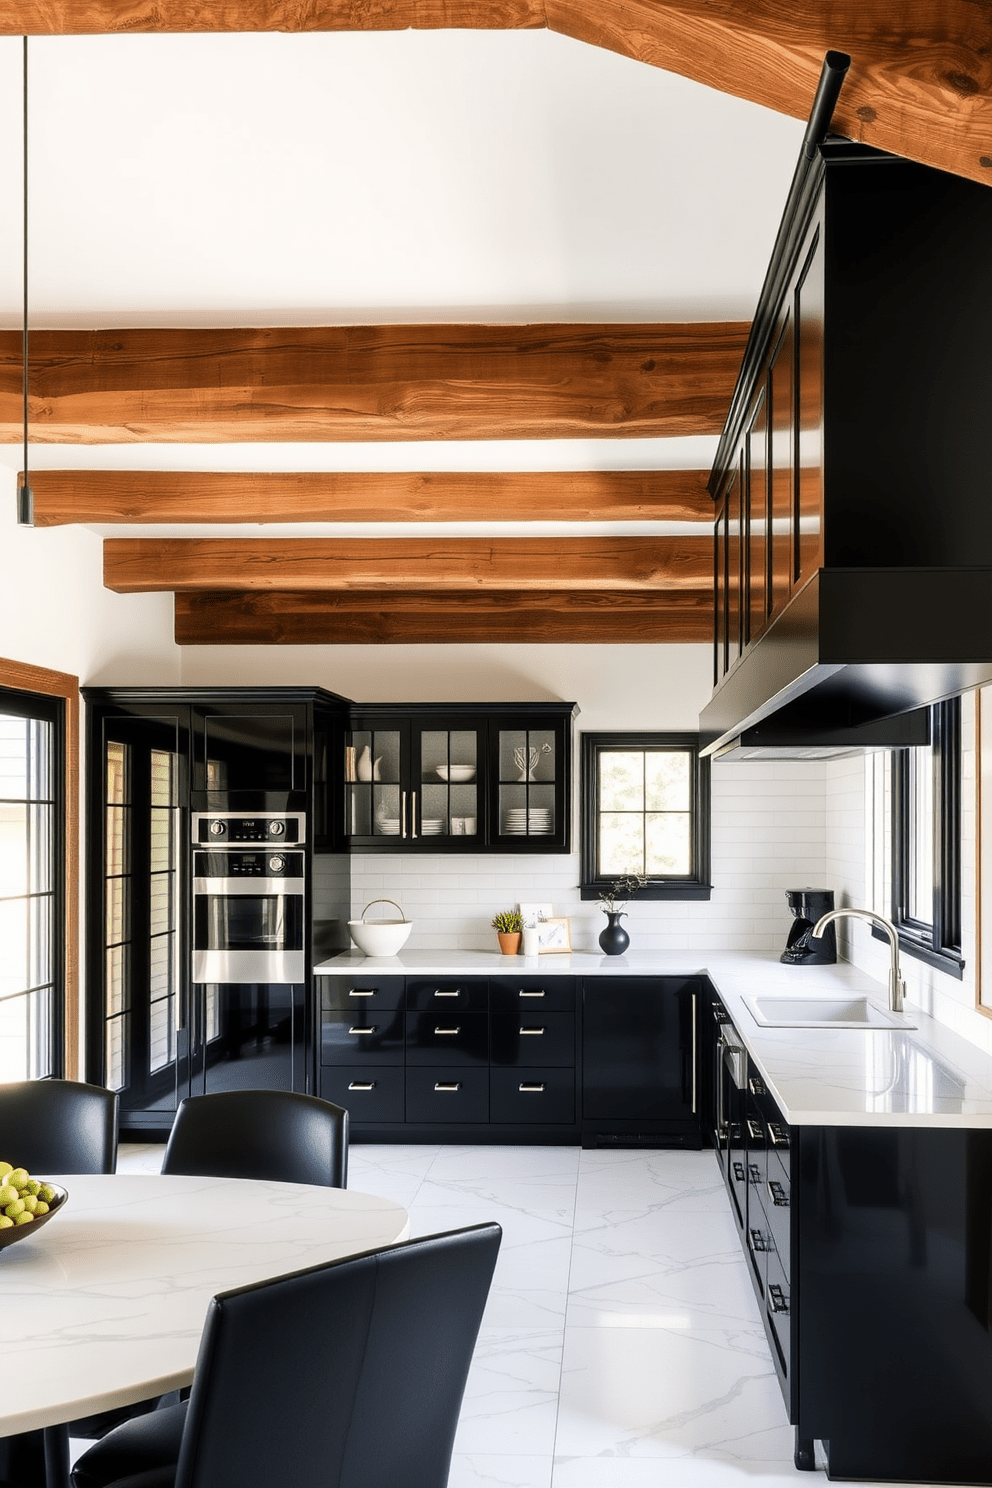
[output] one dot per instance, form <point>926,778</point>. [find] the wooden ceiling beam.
<point>368,383</point>
<point>920,84</point>
<point>125,496</point>
<point>462,617</point>
<point>146,565</point>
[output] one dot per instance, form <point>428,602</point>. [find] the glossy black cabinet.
<point>639,1054</point>
<point>469,778</point>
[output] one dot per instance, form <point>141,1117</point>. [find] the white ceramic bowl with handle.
<point>380,937</point>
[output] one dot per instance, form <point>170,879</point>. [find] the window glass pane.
<point>668,780</point>
<point>117,785</point>
<point>621,780</point>
<point>116,979</point>
<point>160,904</point>
<point>669,845</point>
<point>13,857</point>
<point>116,928</point>
<point>116,1053</point>
<point>919,889</point>
<point>161,1035</point>
<point>621,844</point>
<point>14,1038</point>
<point>163,778</point>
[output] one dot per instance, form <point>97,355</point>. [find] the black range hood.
<point>853,481</point>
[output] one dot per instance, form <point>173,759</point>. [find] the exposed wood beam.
<point>125,496</point>
<point>143,565</point>
<point>920,85</point>
<point>464,617</point>
<point>372,383</point>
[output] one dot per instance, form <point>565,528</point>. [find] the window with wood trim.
<point>645,811</point>
<point>926,842</point>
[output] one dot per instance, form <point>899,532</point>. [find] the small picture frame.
<point>554,936</point>
<point>532,914</point>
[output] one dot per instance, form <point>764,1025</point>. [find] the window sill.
<point>653,891</point>
<point>949,962</point>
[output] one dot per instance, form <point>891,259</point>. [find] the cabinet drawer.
<point>532,1097</point>
<point>778,1308</point>
<point>529,1037</point>
<point>443,1036</point>
<point>368,1093</point>
<point>776,1200</point>
<point>470,994</point>
<point>344,993</point>
<point>533,994</point>
<point>444,1094</point>
<point>362,1037</point>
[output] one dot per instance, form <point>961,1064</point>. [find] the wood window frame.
<point>22,677</point>
<point>592,884</point>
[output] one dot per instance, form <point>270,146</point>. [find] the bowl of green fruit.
<point>26,1203</point>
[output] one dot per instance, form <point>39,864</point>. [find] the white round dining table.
<point>105,1305</point>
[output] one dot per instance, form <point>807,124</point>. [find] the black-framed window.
<point>32,897</point>
<point>926,843</point>
<point>645,810</point>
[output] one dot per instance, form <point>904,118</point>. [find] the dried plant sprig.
<point>614,900</point>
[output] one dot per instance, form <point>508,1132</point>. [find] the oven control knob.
<point>277,864</point>
<point>276,828</point>
<point>217,828</point>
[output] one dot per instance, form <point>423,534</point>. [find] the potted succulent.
<point>509,931</point>
<point>613,901</point>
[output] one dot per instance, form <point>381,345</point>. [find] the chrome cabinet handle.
<point>524,993</point>
<point>756,1240</point>
<point>754,1173</point>
<point>779,1197</point>
<point>756,1086</point>
<point>402,813</point>
<point>374,1029</point>
<point>413,815</point>
<point>456,1086</point>
<point>362,1085</point>
<point>534,1030</point>
<point>362,992</point>
<point>778,1299</point>
<point>721,1125</point>
<point>778,1134</point>
<point>447,1030</point>
<point>694,1053</point>
<point>457,993</point>
<point>738,1171</point>
<point>756,1132</point>
<point>533,1088</point>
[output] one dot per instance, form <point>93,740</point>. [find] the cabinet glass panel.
<point>734,513</point>
<point>449,766</point>
<point>249,752</point>
<point>757,522</point>
<point>782,466</point>
<point>527,766</point>
<point>720,592</point>
<point>372,783</point>
<point>809,483</point>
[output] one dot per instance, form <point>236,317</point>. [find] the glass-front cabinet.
<point>426,778</point>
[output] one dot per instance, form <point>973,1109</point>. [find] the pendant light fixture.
<point>25,500</point>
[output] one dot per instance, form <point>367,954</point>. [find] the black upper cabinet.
<point>469,778</point>
<point>850,485</point>
<point>243,749</point>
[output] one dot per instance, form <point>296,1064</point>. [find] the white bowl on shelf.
<point>456,774</point>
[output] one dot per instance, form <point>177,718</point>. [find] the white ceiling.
<point>409,176</point>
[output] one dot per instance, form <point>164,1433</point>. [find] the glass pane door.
<point>448,800</point>
<point>375,797</point>
<point>528,763</point>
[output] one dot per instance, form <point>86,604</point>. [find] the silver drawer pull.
<point>754,1173</point>
<point>536,1089</point>
<point>457,1085</point>
<point>756,1086</point>
<point>362,991</point>
<point>533,1030</point>
<point>738,1171</point>
<point>362,1085</point>
<point>756,1240</point>
<point>778,1299</point>
<point>523,993</point>
<point>779,1135</point>
<point>447,1030</point>
<point>756,1132</point>
<point>373,1029</point>
<point>778,1194</point>
<point>457,993</point>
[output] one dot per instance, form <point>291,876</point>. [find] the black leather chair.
<point>346,1375</point>
<point>272,1134</point>
<point>58,1126</point>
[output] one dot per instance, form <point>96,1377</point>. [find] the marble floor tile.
<point>516,1164</point>
<point>662,1182</point>
<point>548,1198</point>
<point>691,1472</point>
<point>492,1470</point>
<point>391,1172</point>
<point>511,1398</point>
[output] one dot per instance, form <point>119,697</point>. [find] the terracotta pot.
<point>509,941</point>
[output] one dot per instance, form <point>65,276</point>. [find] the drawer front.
<point>778,1307</point>
<point>368,1093</point>
<point>527,1038</point>
<point>533,994</point>
<point>446,995</point>
<point>447,1036</point>
<point>442,1093</point>
<point>532,1097</point>
<point>778,1140</point>
<point>362,1037</point>
<point>777,1199</point>
<point>343,994</point>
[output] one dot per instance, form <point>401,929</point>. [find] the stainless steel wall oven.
<point>249,901</point>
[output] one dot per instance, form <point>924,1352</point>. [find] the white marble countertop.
<point>106,1304</point>
<point>923,1076</point>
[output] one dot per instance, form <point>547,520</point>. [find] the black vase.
<point>614,940</point>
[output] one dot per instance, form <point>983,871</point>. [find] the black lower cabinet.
<point>639,1061</point>
<point>444,1095</point>
<point>527,1097</point>
<point>370,1094</point>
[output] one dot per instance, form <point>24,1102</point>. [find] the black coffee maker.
<point>801,949</point>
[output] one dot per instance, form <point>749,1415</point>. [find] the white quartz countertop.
<point>922,1076</point>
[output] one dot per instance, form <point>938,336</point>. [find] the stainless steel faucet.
<point>897,987</point>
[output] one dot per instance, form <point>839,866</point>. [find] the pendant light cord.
<point>25,507</point>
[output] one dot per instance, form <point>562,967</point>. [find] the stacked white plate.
<point>388,826</point>
<point>432,826</point>
<point>537,822</point>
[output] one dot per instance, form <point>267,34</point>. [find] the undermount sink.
<point>822,1012</point>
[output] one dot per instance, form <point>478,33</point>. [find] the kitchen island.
<point>858,1166</point>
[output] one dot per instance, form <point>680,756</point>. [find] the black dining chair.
<point>274,1134</point>
<point>58,1126</point>
<point>348,1375</point>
